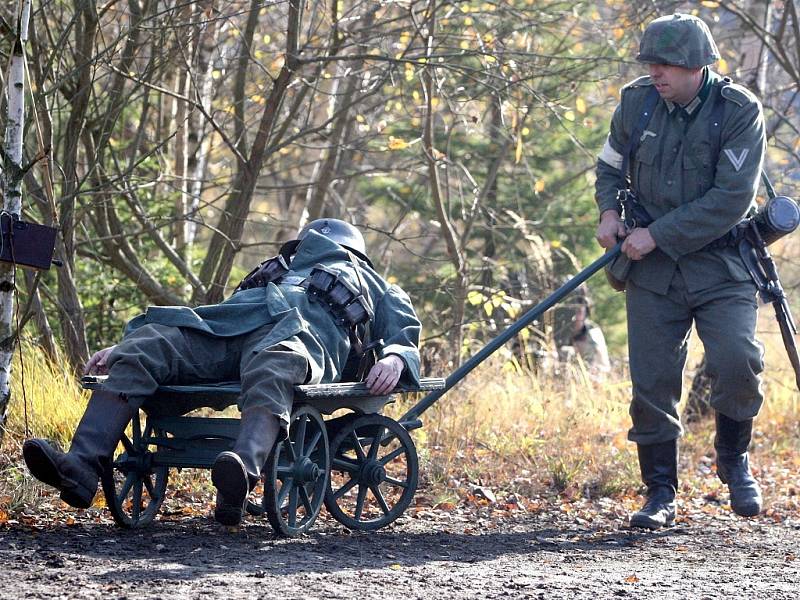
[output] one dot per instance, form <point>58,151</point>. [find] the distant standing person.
<point>589,341</point>
<point>694,164</point>
<point>581,336</point>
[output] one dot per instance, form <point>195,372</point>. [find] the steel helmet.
<point>680,40</point>
<point>339,231</point>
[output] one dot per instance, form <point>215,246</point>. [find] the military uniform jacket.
<point>301,324</point>
<point>694,196</point>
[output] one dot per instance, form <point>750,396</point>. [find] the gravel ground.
<point>447,555</point>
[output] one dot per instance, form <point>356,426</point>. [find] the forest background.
<point>178,143</point>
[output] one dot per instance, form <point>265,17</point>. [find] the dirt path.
<point>546,555</point>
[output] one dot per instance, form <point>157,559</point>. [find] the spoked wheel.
<point>374,473</point>
<point>296,474</point>
<point>134,488</point>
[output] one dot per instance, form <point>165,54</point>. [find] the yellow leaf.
<point>360,118</point>
<point>475,298</point>
<point>539,186</point>
<point>722,66</point>
<point>619,32</point>
<point>464,45</point>
<point>525,131</point>
<point>267,39</point>
<point>555,244</point>
<point>488,308</point>
<point>397,143</point>
<point>569,115</point>
<point>580,105</point>
<point>709,4</point>
<point>395,567</point>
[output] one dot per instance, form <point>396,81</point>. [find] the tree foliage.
<point>185,140</point>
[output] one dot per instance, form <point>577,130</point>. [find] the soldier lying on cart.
<point>296,318</point>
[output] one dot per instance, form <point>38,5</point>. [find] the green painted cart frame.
<point>361,464</point>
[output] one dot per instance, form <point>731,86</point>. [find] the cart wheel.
<point>374,473</point>
<point>134,488</point>
<point>296,474</point>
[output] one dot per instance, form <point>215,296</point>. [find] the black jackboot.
<point>659,466</point>
<point>733,467</point>
<point>76,472</point>
<point>235,473</point>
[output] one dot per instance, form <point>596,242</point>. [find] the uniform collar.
<point>696,102</point>
<point>317,248</point>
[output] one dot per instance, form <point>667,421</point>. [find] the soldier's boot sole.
<point>229,476</point>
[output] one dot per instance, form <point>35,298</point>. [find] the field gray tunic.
<point>694,197</point>
<point>242,335</point>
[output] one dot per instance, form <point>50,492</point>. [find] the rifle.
<point>765,275</point>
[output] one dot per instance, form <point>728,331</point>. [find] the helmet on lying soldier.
<point>339,231</point>
<point>679,40</point>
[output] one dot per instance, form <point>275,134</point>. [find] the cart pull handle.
<point>412,416</point>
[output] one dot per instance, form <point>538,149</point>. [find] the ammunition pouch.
<point>345,302</point>
<point>269,271</point>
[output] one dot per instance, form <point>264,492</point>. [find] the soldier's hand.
<point>610,230</point>
<point>638,244</point>
<point>97,364</point>
<point>385,374</point>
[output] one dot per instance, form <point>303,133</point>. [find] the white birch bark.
<point>10,180</point>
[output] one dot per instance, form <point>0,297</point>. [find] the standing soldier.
<point>689,146</point>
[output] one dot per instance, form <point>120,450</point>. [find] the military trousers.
<point>155,355</point>
<point>658,333</point>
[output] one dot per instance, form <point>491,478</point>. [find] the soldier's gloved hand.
<point>385,374</point>
<point>97,364</point>
<point>638,243</point>
<point>610,230</point>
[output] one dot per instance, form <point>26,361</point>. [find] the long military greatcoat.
<point>302,324</point>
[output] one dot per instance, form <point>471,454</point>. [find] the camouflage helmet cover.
<point>339,231</point>
<point>680,40</point>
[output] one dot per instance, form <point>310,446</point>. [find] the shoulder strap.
<point>634,139</point>
<point>715,122</point>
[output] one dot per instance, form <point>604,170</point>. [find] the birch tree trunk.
<point>11,178</point>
